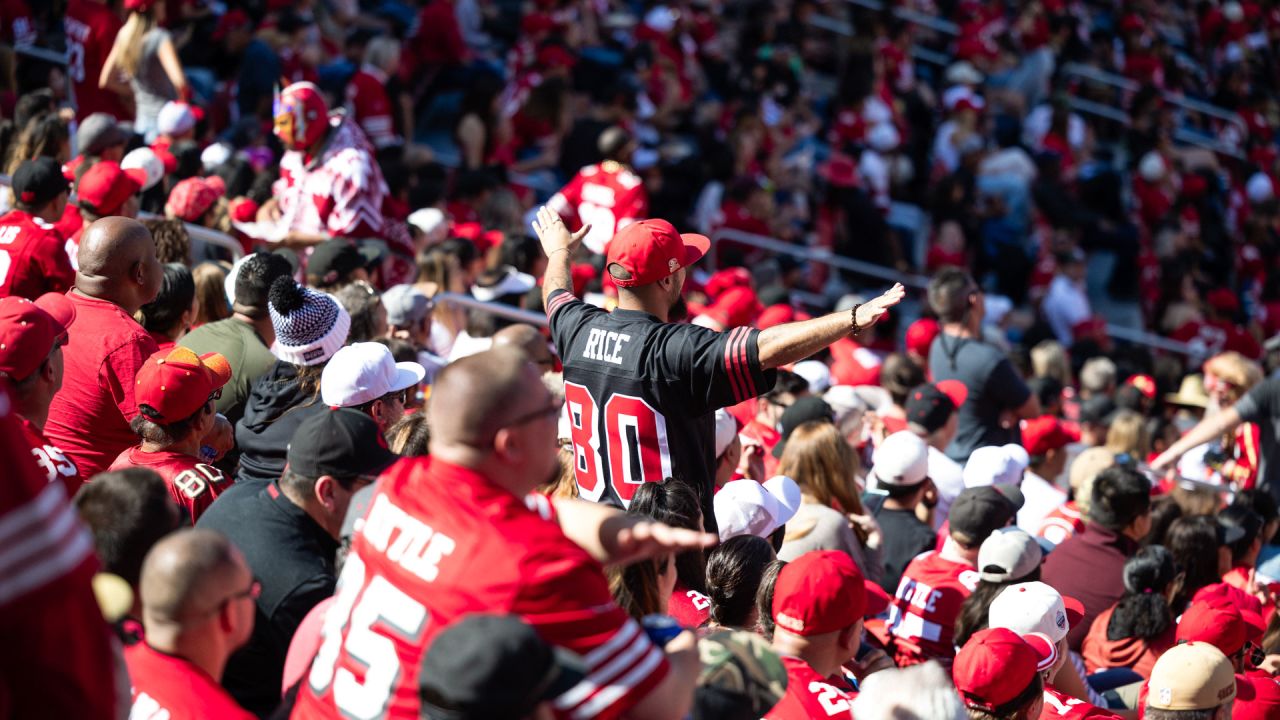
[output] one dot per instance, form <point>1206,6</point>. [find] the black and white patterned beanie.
<point>310,326</point>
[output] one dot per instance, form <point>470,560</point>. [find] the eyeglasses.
<point>552,410</point>
<point>399,395</point>
<point>1252,655</point>
<point>215,395</point>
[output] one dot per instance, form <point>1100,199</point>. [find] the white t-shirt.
<point>1042,498</point>
<point>948,478</point>
<point>1065,305</point>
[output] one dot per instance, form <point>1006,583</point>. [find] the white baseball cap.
<point>996,465</point>
<point>145,159</point>
<point>175,118</point>
<point>427,220</point>
<point>363,372</point>
<point>1034,607</point>
<point>901,460</point>
<point>746,507</point>
<point>1008,554</point>
<point>726,429</point>
<point>816,373</point>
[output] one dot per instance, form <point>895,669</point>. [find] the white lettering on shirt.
<point>605,346</point>
<point>416,547</point>
<point>8,234</point>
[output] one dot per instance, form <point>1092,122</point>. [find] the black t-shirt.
<point>1261,405</point>
<point>903,537</point>
<point>641,395</point>
<point>994,387</point>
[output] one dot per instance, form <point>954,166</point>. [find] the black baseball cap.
<point>803,410</point>
<point>930,406</point>
<point>38,181</point>
<point>333,260</point>
<point>493,666</point>
<point>341,443</point>
<point>980,511</point>
<point>1097,410</point>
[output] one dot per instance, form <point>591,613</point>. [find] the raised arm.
<point>791,342</point>
<point>1204,431</point>
<point>558,243</point>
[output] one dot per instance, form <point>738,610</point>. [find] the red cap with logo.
<point>175,383</point>
<point>191,198</point>
<point>1042,434</point>
<point>106,186</point>
<point>28,331</point>
<point>997,665</point>
<point>1145,384</point>
<point>822,591</point>
<point>650,250</point>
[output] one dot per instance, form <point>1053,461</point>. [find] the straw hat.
<point>1190,393</point>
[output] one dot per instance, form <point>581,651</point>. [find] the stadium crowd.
<point>707,358</point>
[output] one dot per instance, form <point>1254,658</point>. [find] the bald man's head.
<point>472,398</point>
<point>117,261</point>
<point>187,574</point>
<point>529,340</point>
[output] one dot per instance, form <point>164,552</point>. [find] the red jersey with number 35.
<point>809,695</point>
<point>608,197</point>
<point>640,396</point>
<point>439,542</point>
<point>55,464</point>
<point>922,616</point>
<point>193,484</point>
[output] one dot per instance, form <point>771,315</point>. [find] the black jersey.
<point>641,393</point>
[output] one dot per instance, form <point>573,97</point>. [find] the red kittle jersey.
<point>809,695</point>
<point>608,197</point>
<point>166,687</point>
<point>32,259</point>
<point>55,464</point>
<point>922,616</point>
<point>640,396</point>
<point>193,484</point>
<point>413,570</point>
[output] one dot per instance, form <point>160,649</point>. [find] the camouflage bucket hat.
<point>741,666</point>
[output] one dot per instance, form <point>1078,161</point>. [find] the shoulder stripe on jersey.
<point>730,367</point>
<point>42,540</point>
<point>558,302</point>
<point>744,363</point>
<point>615,667</point>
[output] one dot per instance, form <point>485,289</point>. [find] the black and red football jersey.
<point>640,396</point>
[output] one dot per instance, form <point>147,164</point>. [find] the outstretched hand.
<point>635,539</point>
<point>869,313</point>
<point>552,233</point>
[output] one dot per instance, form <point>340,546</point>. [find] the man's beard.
<point>679,310</point>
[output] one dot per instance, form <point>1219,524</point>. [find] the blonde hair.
<point>1236,369</point>
<point>1128,434</point>
<point>1049,359</point>
<point>129,40</point>
<point>210,279</point>
<point>823,465</point>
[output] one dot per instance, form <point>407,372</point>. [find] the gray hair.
<point>920,692</point>
<point>1098,374</point>
<point>380,51</point>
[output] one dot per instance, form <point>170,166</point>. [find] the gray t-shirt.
<point>1261,405</point>
<point>994,387</point>
<point>151,85</point>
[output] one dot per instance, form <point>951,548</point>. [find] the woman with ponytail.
<point>144,63</point>
<point>1139,627</point>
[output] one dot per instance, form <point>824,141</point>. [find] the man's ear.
<point>324,490</point>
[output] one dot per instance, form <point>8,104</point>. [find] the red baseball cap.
<point>920,335</point>
<point>1217,621</point>
<point>651,250</point>
<point>106,186</point>
<point>1042,434</point>
<point>822,591</point>
<point>1223,300</point>
<point>725,279</point>
<point>997,665</point>
<point>192,198</point>
<point>175,383</point>
<point>735,307</point>
<point>1145,384</point>
<point>28,331</point>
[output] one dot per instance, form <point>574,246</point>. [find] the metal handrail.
<point>205,235</point>
<point>919,282</point>
<point>1121,82</point>
<point>912,16</point>
<point>503,311</point>
<point>53,56</point>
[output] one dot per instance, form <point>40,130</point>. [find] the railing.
<point>918,282</point>
<point>503,311</point>
<point>53,56</point>
<point>914,17</point>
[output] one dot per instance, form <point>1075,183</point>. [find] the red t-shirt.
<point>809,695</point>
<point>91,29</point>
<point>56,465</point>
<point>1062,705</point>
<point>412,572</point>
<point>1257,697</point>
<point>922,616</point>
<point>607,196</point>
<point>32,259</point>
<point>368,103</point>
<point>70,226</point>
<point>193,484</point>
<point>89,418</point>
<point>690,608</point>
<point>175,688</point>
<point>66,667</point>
